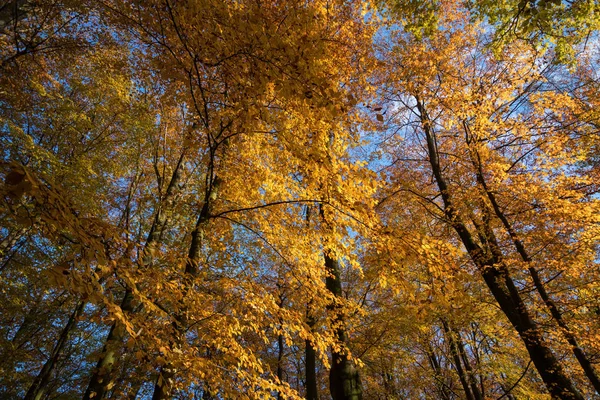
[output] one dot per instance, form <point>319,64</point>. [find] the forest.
<point>291,199</point>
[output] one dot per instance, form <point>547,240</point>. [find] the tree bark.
<point>437,371</point>
<point>163,386</point>
<point>310,364</point>
<point>36,390</point>
<point>477,393</point>
<point>9,244</point>
<point>103,374</point>
<point>344,378</point>
<point>497,278</point>
<point>457,364</point>
<point>459,355</point>
<point>280,350</point>
<point>580,355</point>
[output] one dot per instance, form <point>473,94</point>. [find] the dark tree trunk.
<point>280,350</point>
<point>310,365</point>
<point>10,245</point>
<point>437,371</point>
<point>459,355</point>
<point>103,374</point>
<point>581,357</point>
<point>344,378</point>
<point>498,280</point>
<point>163,387</point>
<point>37,388</point>
<point>477,393</point>
<point>457,364</point>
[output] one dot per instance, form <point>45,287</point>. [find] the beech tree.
<point>492,120</point>
<point>282,199</point>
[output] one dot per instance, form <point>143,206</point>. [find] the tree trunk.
<point>581,357</point>
<point>280,350</point>
<point>310,364</point>
<point>102,376</point>
<point>498,280</point>
<point>163,386</point>
<point>437,373</point>
<point>477,393</point>
<point>457,364</point>
<point>36,390</point>
<point>344,378</point>
<point>458,352</point>
<point>9,245</point>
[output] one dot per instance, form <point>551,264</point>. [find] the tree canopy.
<point>282,199</point>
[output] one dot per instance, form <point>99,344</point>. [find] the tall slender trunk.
<point>9,245</point>
<point>477,392</point>
<point>206,394</point>
<point>280,341</point>
<point>11,240</point>
<point>457,364</point>
<point>580,355</point>
<point>310,363</point>
<point>437,372</point>
<point>280,350</point>
<point>163,384</point>
<point>467,379</point>
<point>103,375</point>
<point>344,378</point>
<point>496,276</point>
<point>23,328</point>
<point>36,390</point>
<point>129,382</point>
<point>135,390</point>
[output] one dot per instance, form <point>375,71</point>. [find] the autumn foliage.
<point>281,199</point>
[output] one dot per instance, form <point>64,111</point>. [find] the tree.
<point>284,199</point>
<point>497,104</point>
